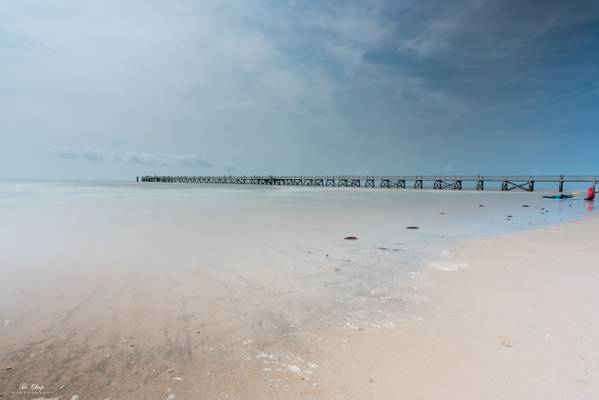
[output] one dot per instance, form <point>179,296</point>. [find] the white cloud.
<point>434,38</point>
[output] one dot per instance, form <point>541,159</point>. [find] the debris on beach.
<point>412,227</point>
<point>525,205</point>
<point>8,368</point>
<point>388,249</point>
<point>481,205</point>
<point>443,213</point>
<point>170,371</point>
<point>507,341</point>
<point>351,238</point>
<point>6,323</point>
<point>75,397</point>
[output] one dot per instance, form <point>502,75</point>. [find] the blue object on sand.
<point>558,196</point>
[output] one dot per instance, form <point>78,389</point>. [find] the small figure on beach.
<point>590,194</point>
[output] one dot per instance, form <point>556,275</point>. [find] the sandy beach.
<point>517,319</point>
<point>299,200</point>
<point>163,294</point>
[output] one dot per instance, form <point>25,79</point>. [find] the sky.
<point>113,89</point>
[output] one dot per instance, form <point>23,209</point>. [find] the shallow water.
<point>183,269</point>
<point>255,231</point>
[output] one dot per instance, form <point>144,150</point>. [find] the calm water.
<point>281,239</point>
<point>378,212</point>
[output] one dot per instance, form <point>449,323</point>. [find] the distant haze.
<point>113,89</point>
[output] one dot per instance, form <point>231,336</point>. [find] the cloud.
<point>478,29</point>
<point>269,84</point>
<point>155,159</point>
<point>165,160</point>
<point>68,153</point>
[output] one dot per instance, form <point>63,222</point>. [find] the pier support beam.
<point>441,184</point>
<point>355,183</point>
<point>480,185</point>
<point>384,183</point>
<point>418,184</point>
<point>369,183</point>
<point>507,186</point>
<point>330,182</point>
<point>342,182</point>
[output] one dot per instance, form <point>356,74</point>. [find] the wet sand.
<point>250,295</point>
<point>517,319</point>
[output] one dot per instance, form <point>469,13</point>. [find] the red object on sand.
<point>590,194</point>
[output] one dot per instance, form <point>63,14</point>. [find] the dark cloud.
<point>478,29</point>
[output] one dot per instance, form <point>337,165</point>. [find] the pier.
<point>479,182</point>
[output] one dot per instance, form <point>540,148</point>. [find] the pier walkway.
<point>507,183</point>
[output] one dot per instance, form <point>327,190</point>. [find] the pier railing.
<point>453,182</point>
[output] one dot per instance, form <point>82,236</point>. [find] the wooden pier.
<point>479,182</point>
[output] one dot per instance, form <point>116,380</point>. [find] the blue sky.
<point>113,89</point>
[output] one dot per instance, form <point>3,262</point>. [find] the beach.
<point>162,292</point>
<point>517,319</point>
